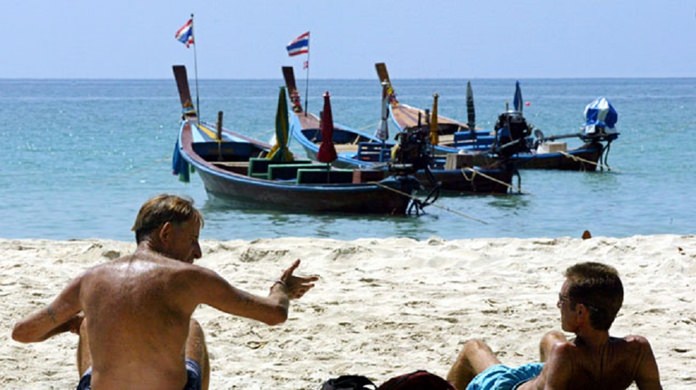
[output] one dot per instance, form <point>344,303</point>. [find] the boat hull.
<point>585,158</point>
<point>473,180</point>
<point>390,196</point>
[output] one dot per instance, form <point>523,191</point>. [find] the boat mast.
<point>195,71</point>
<point>307,79</point>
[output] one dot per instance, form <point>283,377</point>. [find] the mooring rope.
<point>586,161</point>
<point>370,126</point>
<point>491,178</point>
<point>432,204</point>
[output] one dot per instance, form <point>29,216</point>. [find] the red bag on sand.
<point>417,380</point>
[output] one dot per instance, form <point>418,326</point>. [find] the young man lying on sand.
<point>589,300</point>
<point>133,314</point>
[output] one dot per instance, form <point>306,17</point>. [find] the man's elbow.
<point>277,316</point>
<point>21,334</point>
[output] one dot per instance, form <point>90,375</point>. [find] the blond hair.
<point>161,209</point>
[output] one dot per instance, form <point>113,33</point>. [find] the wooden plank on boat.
<point>345,148</point>
<point>458,161</point>
<point>368,175</point>
<point>183,87</point>
<point>232,164</point>
<point>289,76</point>
<point>238,167</point>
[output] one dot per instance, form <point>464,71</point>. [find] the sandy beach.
<point>382,307</point>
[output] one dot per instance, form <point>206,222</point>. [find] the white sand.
<point>382,307</point>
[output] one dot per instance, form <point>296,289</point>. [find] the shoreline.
<point>383,307</point>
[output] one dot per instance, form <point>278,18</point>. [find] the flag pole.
<point>307,77</point>
<point>195,70</point>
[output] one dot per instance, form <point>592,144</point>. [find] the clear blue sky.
<point>241,39</point>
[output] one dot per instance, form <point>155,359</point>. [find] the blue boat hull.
<point>473,180</point>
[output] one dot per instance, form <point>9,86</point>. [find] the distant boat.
<point>477,146</point>
<point>359,149</point>
<point>405,116</point>
<point>248,172</point>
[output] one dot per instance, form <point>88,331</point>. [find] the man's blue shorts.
<point>502,377</point>
<point>193,371</point>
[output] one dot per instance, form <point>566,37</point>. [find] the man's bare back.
<point>619,362</point>
<point>139,309</point>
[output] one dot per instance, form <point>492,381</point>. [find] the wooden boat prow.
<point>407,116</point>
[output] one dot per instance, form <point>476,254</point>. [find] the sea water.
<point>79,157</point>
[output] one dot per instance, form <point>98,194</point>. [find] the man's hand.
<point>296,286</point>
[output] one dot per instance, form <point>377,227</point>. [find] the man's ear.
<point>165,232</point>
<point>582,312</point>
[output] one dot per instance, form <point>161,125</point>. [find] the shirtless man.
<point>589,300</point>
<point>133,314</point>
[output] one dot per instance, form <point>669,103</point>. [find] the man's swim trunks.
<point>193,371</point>
<point>502,377</point>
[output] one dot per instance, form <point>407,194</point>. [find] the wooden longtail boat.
<point>245,171</point>
<point>358,149</point>
<point>475,146</point>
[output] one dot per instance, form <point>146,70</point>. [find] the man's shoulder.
<point>636,344</point>
<point>138,263</point>
<point>634,338</point>
<point>631,341</point>
<point>565,348</point>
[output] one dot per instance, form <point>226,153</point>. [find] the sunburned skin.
<point>134,314</point>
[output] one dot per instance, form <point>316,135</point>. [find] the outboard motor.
<point>413,149</point>
<point>411,154</point>
<point>600,119</point>
<point>511,131</point>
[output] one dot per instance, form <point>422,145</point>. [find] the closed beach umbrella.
<point>280,151</point>
<point>327,151</point>
<point>434,137</point>
<point>470,113</point>
<point>517,101</point>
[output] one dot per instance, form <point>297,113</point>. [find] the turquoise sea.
<point>79,157</point>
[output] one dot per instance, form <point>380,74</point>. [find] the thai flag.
<point>185,33</point>
<point>299,45</point>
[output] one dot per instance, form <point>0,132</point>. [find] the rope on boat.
<point>580,159</point>
<point>370,126</point>
<point>415,199</point>
<point>417,202</point>
<point>491,178</point>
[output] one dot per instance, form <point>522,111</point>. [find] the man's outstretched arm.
<point>272,309</point>
<point>59,316</point>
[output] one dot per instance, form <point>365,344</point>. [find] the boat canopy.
<point>600,117</point>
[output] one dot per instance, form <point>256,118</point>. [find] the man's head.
<point>171,224</point>
<point>598,288</point>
